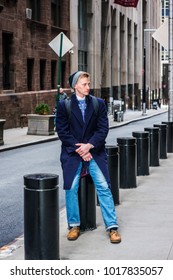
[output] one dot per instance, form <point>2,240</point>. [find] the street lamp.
<point>144,71</point>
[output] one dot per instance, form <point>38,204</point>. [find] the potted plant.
<point>42,122</point>
<point>42,109</point>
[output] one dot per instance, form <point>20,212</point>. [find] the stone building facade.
<point>108,42</point>
<point>114,41</point>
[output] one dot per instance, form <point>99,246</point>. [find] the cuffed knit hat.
<point>74,77</point>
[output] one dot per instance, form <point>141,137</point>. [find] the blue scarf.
<point>82,106</point>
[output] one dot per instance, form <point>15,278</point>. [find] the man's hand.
<point>61,90</point>
<point>87,157</point>
<point>83,149</point>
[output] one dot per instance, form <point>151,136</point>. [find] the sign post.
<point>59,70</point>
<point>61,45</point>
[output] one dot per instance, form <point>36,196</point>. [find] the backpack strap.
<point>95,103</point>
<point>68,104</point>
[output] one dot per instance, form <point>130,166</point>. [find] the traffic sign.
<point>55,44</point>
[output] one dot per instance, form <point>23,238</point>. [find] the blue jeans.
<point>104,196</point>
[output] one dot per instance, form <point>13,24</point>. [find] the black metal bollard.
<point>163,140</point>
<point>169,136</point>
<point>143,150</point>
<point>41,217</point>
<point>2,122</point>
<point>154,145</point>
<point>87,204</point>
<point>113,165</point>
<point>128,162</point>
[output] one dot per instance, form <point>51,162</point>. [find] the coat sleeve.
<point>63,129</point>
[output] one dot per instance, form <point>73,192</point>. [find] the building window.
<point>34,5</point>
<point>7,40</point>
<point>30,68</point>
<point>82,61</point>
<point>82,15</point>
<point>42,73</point>
<point>82,35</point>
<point>56,13</point>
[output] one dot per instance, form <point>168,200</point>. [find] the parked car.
<point>155,105</point>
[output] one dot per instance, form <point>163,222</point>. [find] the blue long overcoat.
<point>72,130</point>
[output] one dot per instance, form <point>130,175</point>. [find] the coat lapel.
<point>75,110</point>
<point>89,111</point>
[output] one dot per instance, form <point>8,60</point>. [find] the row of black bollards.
<point>131,157</point>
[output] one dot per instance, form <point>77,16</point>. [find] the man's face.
<point>82,87</point>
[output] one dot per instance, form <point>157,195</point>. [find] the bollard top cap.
<point>111,150</point>
<point>41,181</point>
<point>152,129</point>
<point>141,134</point>
<point>126,141</point>
<point>162,125</point>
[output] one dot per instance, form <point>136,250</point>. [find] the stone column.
<point>74,35</point>
<point>106,47</point>
<point>123,55</point>
<point>131,65</point>
<point>94,43</point>
<point>116,75</point>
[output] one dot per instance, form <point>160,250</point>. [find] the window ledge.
<point>53,27</point>
<point>35,22</point>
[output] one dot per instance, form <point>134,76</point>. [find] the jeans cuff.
<point>112,226</point>
<point>74,225</point>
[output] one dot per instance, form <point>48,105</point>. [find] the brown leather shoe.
<point>114,236</point>
<point>73,233</point>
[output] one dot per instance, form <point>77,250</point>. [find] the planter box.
<point>2,131</point>
<point>40,124</point>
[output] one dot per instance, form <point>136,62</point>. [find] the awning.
<point>127,3</point>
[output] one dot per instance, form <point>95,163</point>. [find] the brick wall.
<point>29,40</point>
<point>13,105</point>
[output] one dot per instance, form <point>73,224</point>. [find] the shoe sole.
<point>115,241</point>
<point>72,239</point>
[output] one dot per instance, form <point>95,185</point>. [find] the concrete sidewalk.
<point>145,217</point>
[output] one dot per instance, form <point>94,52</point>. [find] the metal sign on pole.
<point>170,51</point>
<point>61,45</point>
<point>59,70</point>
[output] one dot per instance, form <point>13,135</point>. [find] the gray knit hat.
<point>74,77</point>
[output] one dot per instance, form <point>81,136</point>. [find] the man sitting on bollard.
<point>82,126</point>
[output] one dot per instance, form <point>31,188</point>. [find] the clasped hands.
<point>84,151</point>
